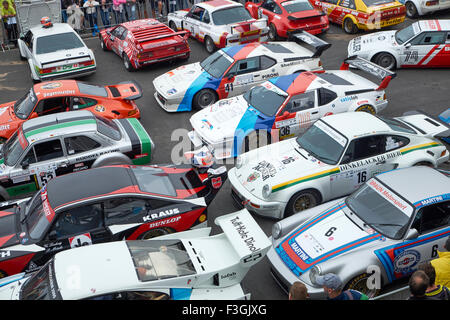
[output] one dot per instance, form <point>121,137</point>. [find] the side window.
<point>330,1</point>
<point>78,220</point>
<point>50,106</point>
<point>362,148</point>
<point>79,144</point>
<point>301,102</point>
<point>266,62</point>
<point>82,102</point>
<point>447,39</point>
<point>117,32</point>
<point>120,209</point>
<point>326,96</point>
<point>395,142</point>
<point>30,157</point>
<point>248,65</point>
<point>124,35</point>
<point>269,5</point>
<point>429,38</point>
<point>197,13</point>
<point>348,4</point>
<point>432,217</point>
<point>276,9</point>
<point>28,39</point>
<point>206,18</point>
<point>48,150</point>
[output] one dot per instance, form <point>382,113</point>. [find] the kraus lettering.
<point>161,214</point>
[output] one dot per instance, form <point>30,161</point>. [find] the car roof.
<point>56,88</point>
<point>58,124</point>
<point>270,49</point>
<point>417,183</point>
<point>362,123</point>
<point>218,4</point>
<point>434,25</point>
<point>56,28</point>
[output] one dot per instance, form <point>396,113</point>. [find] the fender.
<point>114,158</point>
<point>361,102</point>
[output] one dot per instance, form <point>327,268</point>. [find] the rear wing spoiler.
<point>372,68</point>
<point>245,236</point>
<point>302,36</point>
<point>247,23</point>
<point>292,18</point>
<point>143,38</point>
<point>443,134</point>
<point>139,91</point>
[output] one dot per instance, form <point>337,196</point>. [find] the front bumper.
<point>443,159</point>
<point>69,74</point>
<point>221,150</point>
<point>170,105</point>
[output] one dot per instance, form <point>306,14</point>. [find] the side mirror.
<point>230,75</point>
<point>52,235</point>
<point>285,114</point>
<point>412,234</point>
<point>408,45</point>
<point>25,164</point>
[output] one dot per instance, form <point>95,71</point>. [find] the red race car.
<point>289,16</point>
<point>112,102</point>
<point>145,41</point>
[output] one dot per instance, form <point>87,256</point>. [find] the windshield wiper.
<point>384,224</point>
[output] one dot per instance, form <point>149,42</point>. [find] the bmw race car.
<point>375,236</point>
<point>416,8</point>
<point>104,204</point>
<point>331,159</point>
<point>285,106</point>
<point>423,44</point>
<point>219,23</point>
<point>53,145</point>
<point>233,70</point>
<point>190,265</point>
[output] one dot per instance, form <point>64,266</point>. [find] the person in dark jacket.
<point>434,290</point>
<point>418,284</point>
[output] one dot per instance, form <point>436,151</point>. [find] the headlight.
<point>313,273</point>
<point>266,191</point>
<point>276,230</point>
<point>239,162</point>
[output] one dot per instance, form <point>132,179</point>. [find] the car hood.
<point>374,41</point>
<point>63,57</point>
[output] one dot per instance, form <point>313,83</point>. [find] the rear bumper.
<point>69,74</point>
<point>180,55</point>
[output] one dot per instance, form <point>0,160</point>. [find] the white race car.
<point>56,52</point>
<point>184,265</point>
<point>423,44</point>
<point>415,8</point>
<point>331,159</point>
<point>219,23</point>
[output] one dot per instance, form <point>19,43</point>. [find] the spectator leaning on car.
<point>298,291</point>
<point>418,284</point>
<point>332,286</point>
<point>442,265</point>
<point>434,290</point>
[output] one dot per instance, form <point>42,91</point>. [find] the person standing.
<point>105,11</point>
<point>131,9</point>
<point>119,11</point>
<point>8,14</point>
<point>333,286</point>
<point>91,11</point>
<point>75,17</point>
<point>434,290</point>
<point>418,284</point>
<point>442,265</point>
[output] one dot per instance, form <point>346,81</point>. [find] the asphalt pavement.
<point>425,89</point>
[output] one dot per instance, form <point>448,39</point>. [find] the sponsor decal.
<point>270,75</point>
<point>99,108</point>
<point>4,254</point>
<point>331,132</point>
<point>55,93</point>
<point>207,123</point>
<point>216,182</point>
<point>161,214</point>
<point>301,254</point>
<point>267,169</point>
<point>370,161</point>
<point>228,276</point>
<point>253,176</point>
<point>163,222</point>
<point>391,197</point>
<point>348,98</point>
<point>244,234</point>
<point>80,240</point>
<point>171,91</point>
<point>406,261</point>
<point>4,127</point>
<point>51,85</point>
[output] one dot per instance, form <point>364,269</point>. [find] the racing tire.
<point>210,45</point>
<point>424,163</point>
<point>366,108</point>
<point>359,283</point>
<point>302,200</point>
<point>3,274</point>
<point>252,141</point>
<point>127,63</point>
<point>349,26</point>
<point>173,26</point>
<point>411,10</point>
<point>273,35</point>
<point>155,233</point>
<point>385,60</point>
<point>204,98</point>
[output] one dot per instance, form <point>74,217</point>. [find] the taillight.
<point>431,3</point>
<point>443,153</point>
<point>132,112</point>
<point>87,63</point>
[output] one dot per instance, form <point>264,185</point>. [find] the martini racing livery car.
<point>145,41</point>
<point>114,203</point>
<point>112,102</point>
<point>45,147</point>
<point>377,235</point>
<point>56,52</point>
<point>355,15</point>
<point>219,23</point>
<point>332,159</point>
<point>233,70</point>
<point>415,8</point>
<point>423,44</point>
<point>190,265</point>
<point>285,106</point>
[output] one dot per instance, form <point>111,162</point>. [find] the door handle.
<point>256,75</point>
<point>315,112</point>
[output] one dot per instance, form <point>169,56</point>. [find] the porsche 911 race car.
<point>416,8</point>
<point>375,236</point>
<point>356,15</point>
<point>233,70</point>
<point>289,16</point>
<point>104,204</point>
<point>423,44</point>
<point>190,265</point>
<point>53,145</point>
<point>56,52</point>
<point>219,23</point>
<point>285,106</point>
<point>145,41</point>
<point>331,159</point>
<point>112,102</point>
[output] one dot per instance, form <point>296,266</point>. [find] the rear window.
<point>92,89</point>
<point>397,125</point>
<point>154,180</point>
<point>58,42</point>
<point>231,15</point>
<point>297,6</point>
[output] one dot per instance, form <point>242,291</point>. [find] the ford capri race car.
<point>104,204</point>
<point>53,145</point>
<point>285,106</point>
<point>56,52</point>
<point>373,237</point>
<point>289,16</point>
<point>219,23</point>
<point>112,102</point>
<point>190,265</point>
<point>233,70</point>
<point>355,15</point>
<point>415,8</point>
<point>145,41</point>
<point>331,159</point>
<point>423,44</point>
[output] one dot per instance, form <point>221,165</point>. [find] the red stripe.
<point>438,25</point>
<point>5,213</point>
<point>5,239</point>
<point>245,51</point>
<point>428,54</point>
<point>16,265</point>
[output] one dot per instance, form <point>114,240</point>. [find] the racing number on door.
<point>362,176</point>
<point>228,87</point>
<point>285,131</point>
<point>44,177</point>
<point>330,232</point>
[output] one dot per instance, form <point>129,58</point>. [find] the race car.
<point>145,41</point>
<point>445,117</point>
<point>55,51</point>
<point>50,97</point>
<point>416,8</point>
<point>234,70</point>
<point>331,159</point>
<point>103,204</point>
<point>53,145</point>
<point>219,23</point>
<point>190,265</point>
<point>285,106</point>
<point>375,236</point>
<point>355,15</point>
<point>289,16</point>
<point>423,44</point>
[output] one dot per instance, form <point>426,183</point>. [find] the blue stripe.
<point>432,200</point>
<point>204,80</point>
<point>284,82</point>
<point>11,279</point>
<point>233,50</point>
<point>180,293</point>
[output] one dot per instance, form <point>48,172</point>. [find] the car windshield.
<point>297,6</point>
<point>231,15</point>
<point>266,98</point>
<point>108,128</point>
<point>397,125</point>
<point>14,147</point>
<point>160,259</point>
<point>58,42</point>
<point>24,106</point>
<point>374,3</point>
<point>323,142</point>
<point>403,35</point>
<point>36,219</point>
<point>153,180</point>
<point>92,90</point>
<point>217,64</point>
<point>381,209</point>
<point>41,285</point>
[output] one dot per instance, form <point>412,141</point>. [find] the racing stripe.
<point>198,84</point>
<point>428,54</point>
<point>310,177</point>
<point>435,52</point>
<point>294,83</point>
<point>419,147</point>
<point>145,141</point>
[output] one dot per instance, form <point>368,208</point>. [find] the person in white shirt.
<point>91,12</point>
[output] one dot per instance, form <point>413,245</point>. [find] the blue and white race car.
<point>445,117</point>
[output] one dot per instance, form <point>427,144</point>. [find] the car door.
<point>192,20</point>
<point>81,151</point>
<point>243,75</point>
<point>204,25</point>
<point>424,49</point>
<point>266,10</point>
<point>115,39</point>
<point>28,40</point>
